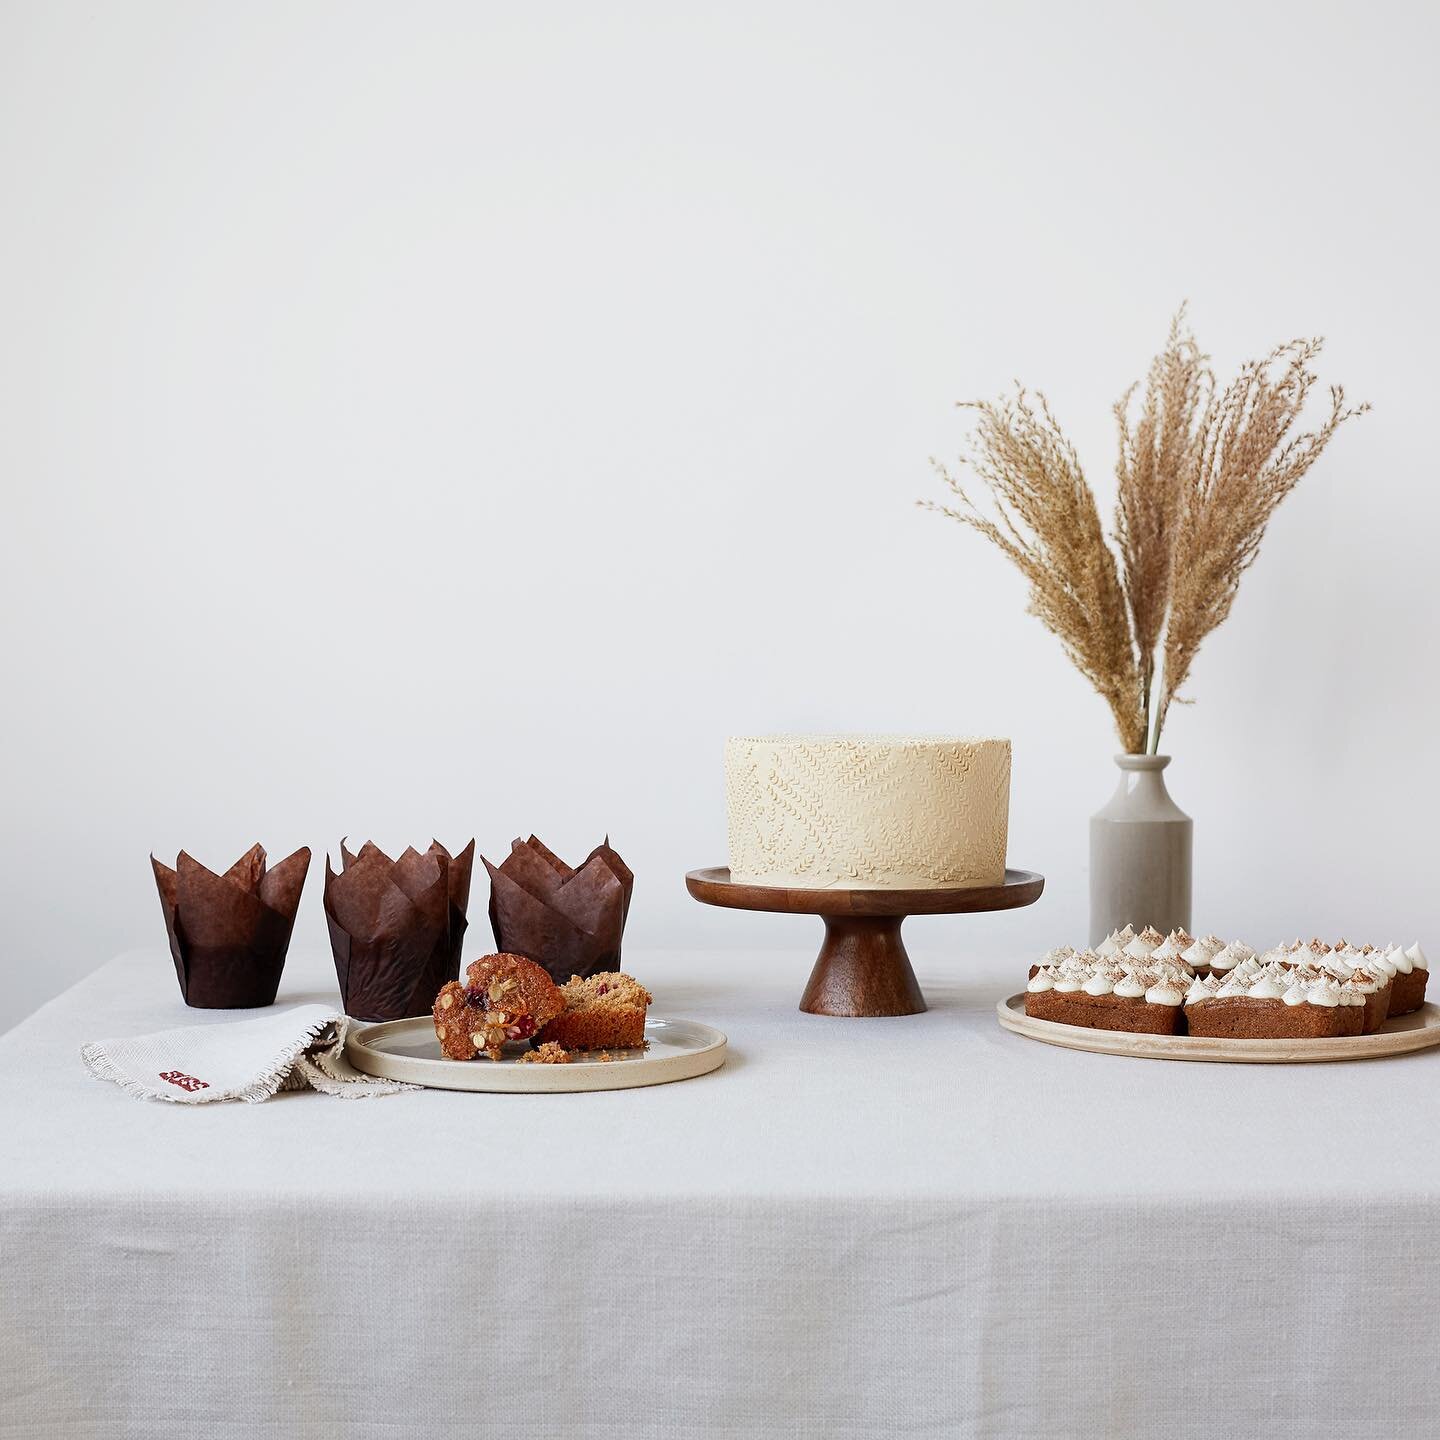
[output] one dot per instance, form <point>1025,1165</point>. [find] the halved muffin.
<point>604,1012</point>
<point>505,998</point>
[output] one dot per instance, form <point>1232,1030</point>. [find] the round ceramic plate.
<point>408,1050</point>
<point>1417,1031</point>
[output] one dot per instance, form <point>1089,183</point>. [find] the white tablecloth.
<point>922,1226</point>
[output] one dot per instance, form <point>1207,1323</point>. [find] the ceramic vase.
<point>1140,851</point>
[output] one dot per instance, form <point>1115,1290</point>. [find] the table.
<point>920,1226</point>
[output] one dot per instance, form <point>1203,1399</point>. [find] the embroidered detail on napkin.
<point>251,1060</point>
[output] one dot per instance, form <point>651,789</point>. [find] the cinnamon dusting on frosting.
<point>1162,969</point>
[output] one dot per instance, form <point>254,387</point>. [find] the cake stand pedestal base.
<point>862,968</point>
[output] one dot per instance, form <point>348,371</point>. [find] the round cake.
<point>863,812</point>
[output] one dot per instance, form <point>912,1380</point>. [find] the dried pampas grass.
<point>1200,473</point>
<point>1247,461</point>
<point>1047,522</point>
<point>1158,453</point>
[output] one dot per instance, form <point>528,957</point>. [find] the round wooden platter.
<point>862,968</point>
<point>1417,1031</point>
<point>408,1050</point>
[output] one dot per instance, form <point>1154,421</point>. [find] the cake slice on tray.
<point>1411,973</point>
<point>1114,992</point>
<point>1347,963</point>
<point>1273,1000</point>
<point>1303,990</point>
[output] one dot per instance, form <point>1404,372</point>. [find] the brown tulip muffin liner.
<point>570,920</point>
<point>229,933</point>
<point>396,927</point>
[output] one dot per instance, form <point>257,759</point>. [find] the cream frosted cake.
<point>867,811</point>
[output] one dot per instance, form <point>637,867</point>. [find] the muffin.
<point>604,1012</point>
<point>505,998</point>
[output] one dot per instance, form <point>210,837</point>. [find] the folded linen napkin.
<point>243,1060</point>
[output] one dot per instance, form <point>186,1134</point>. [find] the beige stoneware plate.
<point>408,1050</point>
<point>1418,1031</point>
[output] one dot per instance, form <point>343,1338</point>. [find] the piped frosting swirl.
<point>1161,969</point>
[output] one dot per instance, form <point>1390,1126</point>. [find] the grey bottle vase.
<point>1140,853</point>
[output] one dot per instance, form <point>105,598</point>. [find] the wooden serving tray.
<point>1417,1031</point>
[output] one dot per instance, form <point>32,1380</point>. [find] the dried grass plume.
<point>1249,458</point>
<point>1047,522</point>
<point>1200,473</point>
<point>1158,454</point>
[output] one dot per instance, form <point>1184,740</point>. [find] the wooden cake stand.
<point>862,968</point>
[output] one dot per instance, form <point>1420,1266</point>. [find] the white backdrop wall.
<point>456,419</point>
